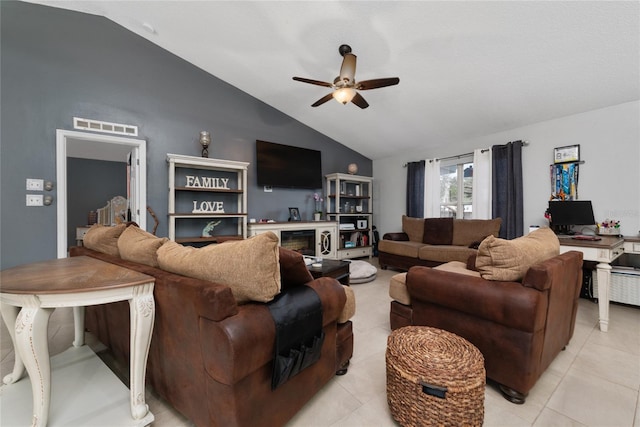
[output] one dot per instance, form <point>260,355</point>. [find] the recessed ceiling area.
<point>466,68</point>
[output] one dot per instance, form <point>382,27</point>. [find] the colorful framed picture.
<point>566,154</point>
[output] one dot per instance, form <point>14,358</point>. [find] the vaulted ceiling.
<point>466,68</point>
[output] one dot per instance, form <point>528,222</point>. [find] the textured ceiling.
<point>466,68</point>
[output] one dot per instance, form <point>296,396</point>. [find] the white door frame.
<point>139,178</point>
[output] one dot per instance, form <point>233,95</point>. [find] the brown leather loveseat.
<point>519,324</point>
<point>211,356</point>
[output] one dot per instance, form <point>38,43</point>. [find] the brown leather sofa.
<point>211,358</point>
<point>519,326</point>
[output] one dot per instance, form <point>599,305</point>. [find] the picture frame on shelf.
<point>294,214</point>
<point>566,154</point>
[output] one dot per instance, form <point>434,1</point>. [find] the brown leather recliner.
<point>519,327</point>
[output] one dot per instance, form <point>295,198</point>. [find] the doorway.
<point>100,147</point>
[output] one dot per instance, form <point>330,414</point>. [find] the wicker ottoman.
<point>434,377</point>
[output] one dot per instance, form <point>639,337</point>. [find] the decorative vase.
<point>205,140</point>
<point>316,216</point>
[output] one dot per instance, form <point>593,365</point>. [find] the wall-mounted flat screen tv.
<point>286,166</point>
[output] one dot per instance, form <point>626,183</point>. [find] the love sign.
<point>207,207</point>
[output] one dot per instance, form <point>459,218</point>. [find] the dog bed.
<point>361,272</point>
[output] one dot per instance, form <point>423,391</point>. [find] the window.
<point>456,183</point>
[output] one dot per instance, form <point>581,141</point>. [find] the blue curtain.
<point>415,189</point>
<point>507,188</point>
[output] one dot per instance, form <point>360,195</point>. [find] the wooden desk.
<point>603,252</point>
<point>31,292</point>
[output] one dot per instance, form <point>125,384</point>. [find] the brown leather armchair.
<point>519,327</point>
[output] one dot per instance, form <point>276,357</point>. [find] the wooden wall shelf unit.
<point>205,191</point>
<point>349,203</point>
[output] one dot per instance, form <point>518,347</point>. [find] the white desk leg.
<point>9,315</point>
<point>78,324</point>
<point>142,309</point>
<point>604,282</point>
<point>31,342</point>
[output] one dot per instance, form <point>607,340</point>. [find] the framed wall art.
<point>566,154</point>
<point>564,181</point>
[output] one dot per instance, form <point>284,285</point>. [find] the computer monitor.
<point>564,215</point>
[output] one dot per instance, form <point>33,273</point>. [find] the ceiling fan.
<point>345,86</point>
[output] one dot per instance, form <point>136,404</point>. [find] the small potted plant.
<point>609,227</point>
<point>317,198</point>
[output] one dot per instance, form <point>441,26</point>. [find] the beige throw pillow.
<point>139,246</point>
<point>509,260</point>
<point>249,267</point>
<point>103,238</point>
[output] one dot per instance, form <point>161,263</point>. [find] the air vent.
<point>107,127</point>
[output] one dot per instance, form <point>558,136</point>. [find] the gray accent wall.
<point>57,64</point>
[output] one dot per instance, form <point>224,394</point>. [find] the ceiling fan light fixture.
<point>344,95</point>
<point>345,86</point>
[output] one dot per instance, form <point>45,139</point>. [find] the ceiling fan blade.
<point>359,101</point>
<point>348,68</point>
<point>322,100</point>
<point>376,83</point>
<point>313,82</point>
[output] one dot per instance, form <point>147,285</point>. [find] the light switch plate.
<point>35,184</point>
<point>34,200</point>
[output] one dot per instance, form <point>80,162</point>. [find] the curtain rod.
<point>484,150</point>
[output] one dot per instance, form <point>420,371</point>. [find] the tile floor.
<point>595,382</point>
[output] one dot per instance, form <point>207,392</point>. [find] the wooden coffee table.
<point>337,269</point>
<point>31,292</point>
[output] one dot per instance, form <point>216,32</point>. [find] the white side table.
<point>603,251</point>
<point>80,232</point>
<point>31,292</point>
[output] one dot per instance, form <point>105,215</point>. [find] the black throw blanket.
<point>297,313</point>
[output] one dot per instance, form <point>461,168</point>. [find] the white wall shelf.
<point>205,191</point>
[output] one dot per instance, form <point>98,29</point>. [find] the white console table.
<point>31,292</point>
<point>326,233</point>
<point>603,252</point>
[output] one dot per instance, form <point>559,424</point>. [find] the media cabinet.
<point>311,238</point>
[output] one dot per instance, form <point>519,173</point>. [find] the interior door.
<point>98,146</point>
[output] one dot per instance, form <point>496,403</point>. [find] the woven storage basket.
<point>624,286</point>
<point>434,377</point>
